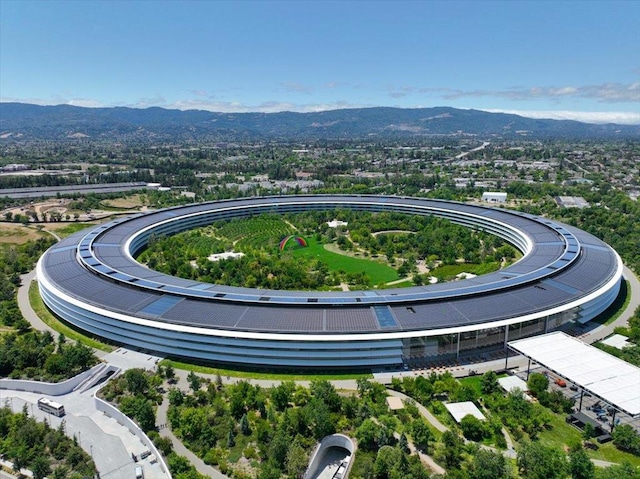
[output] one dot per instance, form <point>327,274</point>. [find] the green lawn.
<point>562,435</point>
<point>377,272</point>
<point>197,368</point>
<point>72,228</point>
<point>476,382</point>
<point>450,270</point>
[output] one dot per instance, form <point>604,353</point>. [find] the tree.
<point>366,435</point>
<point>537,461</point>
<point>145,415</point>
<point>231,438</point>
<point>619,471</point>
<point>297,461</point>
<point>281,395</point>
<point>387,459</point>
<point>404,443</point>
<point>626,438</point>
<point>537,383</point>
<point>137,382</point>
<point>421,434</point>
<point>195,382</point>
<point>489,382</point>
<point>170,373</point>
<point>245,428</point>
<point>326,392</point>
<point>40,467</point>
<point>580,466</point>
<point>472,428</point>
<point>488,464</point>
<point>453,446</point>
<point>164,445</point>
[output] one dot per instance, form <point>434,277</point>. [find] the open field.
<point>450,270</point>
<point>67,229</point>
<point>378,272</point>
<point>126,203</point>
<point>11,233</point>
<point>563,435</point>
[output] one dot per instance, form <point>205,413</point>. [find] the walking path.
<point>179,447</point>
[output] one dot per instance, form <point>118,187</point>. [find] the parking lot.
<point>593,407</point>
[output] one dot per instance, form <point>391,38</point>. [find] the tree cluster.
<point>36,355</point>
<point>45,451</point>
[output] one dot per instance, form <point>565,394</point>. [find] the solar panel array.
<point>426,307</point>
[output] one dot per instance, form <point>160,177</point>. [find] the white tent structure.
<point>611,379</point>
<point>460,409</point>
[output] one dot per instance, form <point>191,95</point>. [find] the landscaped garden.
<point>367,250</point>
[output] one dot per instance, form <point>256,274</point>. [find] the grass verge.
<point>197,368</point>
<point>54,323</point>
<point>618,307</point>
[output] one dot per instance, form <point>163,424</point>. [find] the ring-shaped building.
<point>92,281</point>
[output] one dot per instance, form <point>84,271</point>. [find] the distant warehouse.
<point>49,191</point>
<point>494,197</point>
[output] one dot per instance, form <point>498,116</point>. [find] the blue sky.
<point>575,59</point>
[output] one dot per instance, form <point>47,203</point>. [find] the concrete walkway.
<point>423,410</point>
<point>25,305</point>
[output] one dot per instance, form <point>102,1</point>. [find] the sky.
<point>542,59</point>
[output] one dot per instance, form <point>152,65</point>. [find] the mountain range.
<point>21,121</point>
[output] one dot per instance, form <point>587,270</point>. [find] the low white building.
<point>494,197</point>
<point>336,223</point>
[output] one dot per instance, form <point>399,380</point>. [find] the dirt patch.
<point>17,234</point>
<point>130,202</point>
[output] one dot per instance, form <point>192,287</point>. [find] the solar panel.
<point>384,316</point>
<point>161,306</point>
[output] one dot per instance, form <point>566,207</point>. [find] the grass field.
<point>476,382</point>
<point>64,230</point>
<point>11,233</point>
<point>129,202</point>
<point>450,270</point>
<point>562,435</point>
<point>196,368</point>
<point>377,272</point>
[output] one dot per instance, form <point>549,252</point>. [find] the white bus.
<point>51,407</point>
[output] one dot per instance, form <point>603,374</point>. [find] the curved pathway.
<point>179,447</point>
<point>603,331</point>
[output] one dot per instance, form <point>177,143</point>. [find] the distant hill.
<point>64,122</point>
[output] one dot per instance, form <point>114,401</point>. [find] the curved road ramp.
<point>332,458</point>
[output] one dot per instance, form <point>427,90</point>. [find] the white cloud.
<point>294,87</point>
<point>598,117</point>
<point>264,107</point>
<point>604,93</point>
